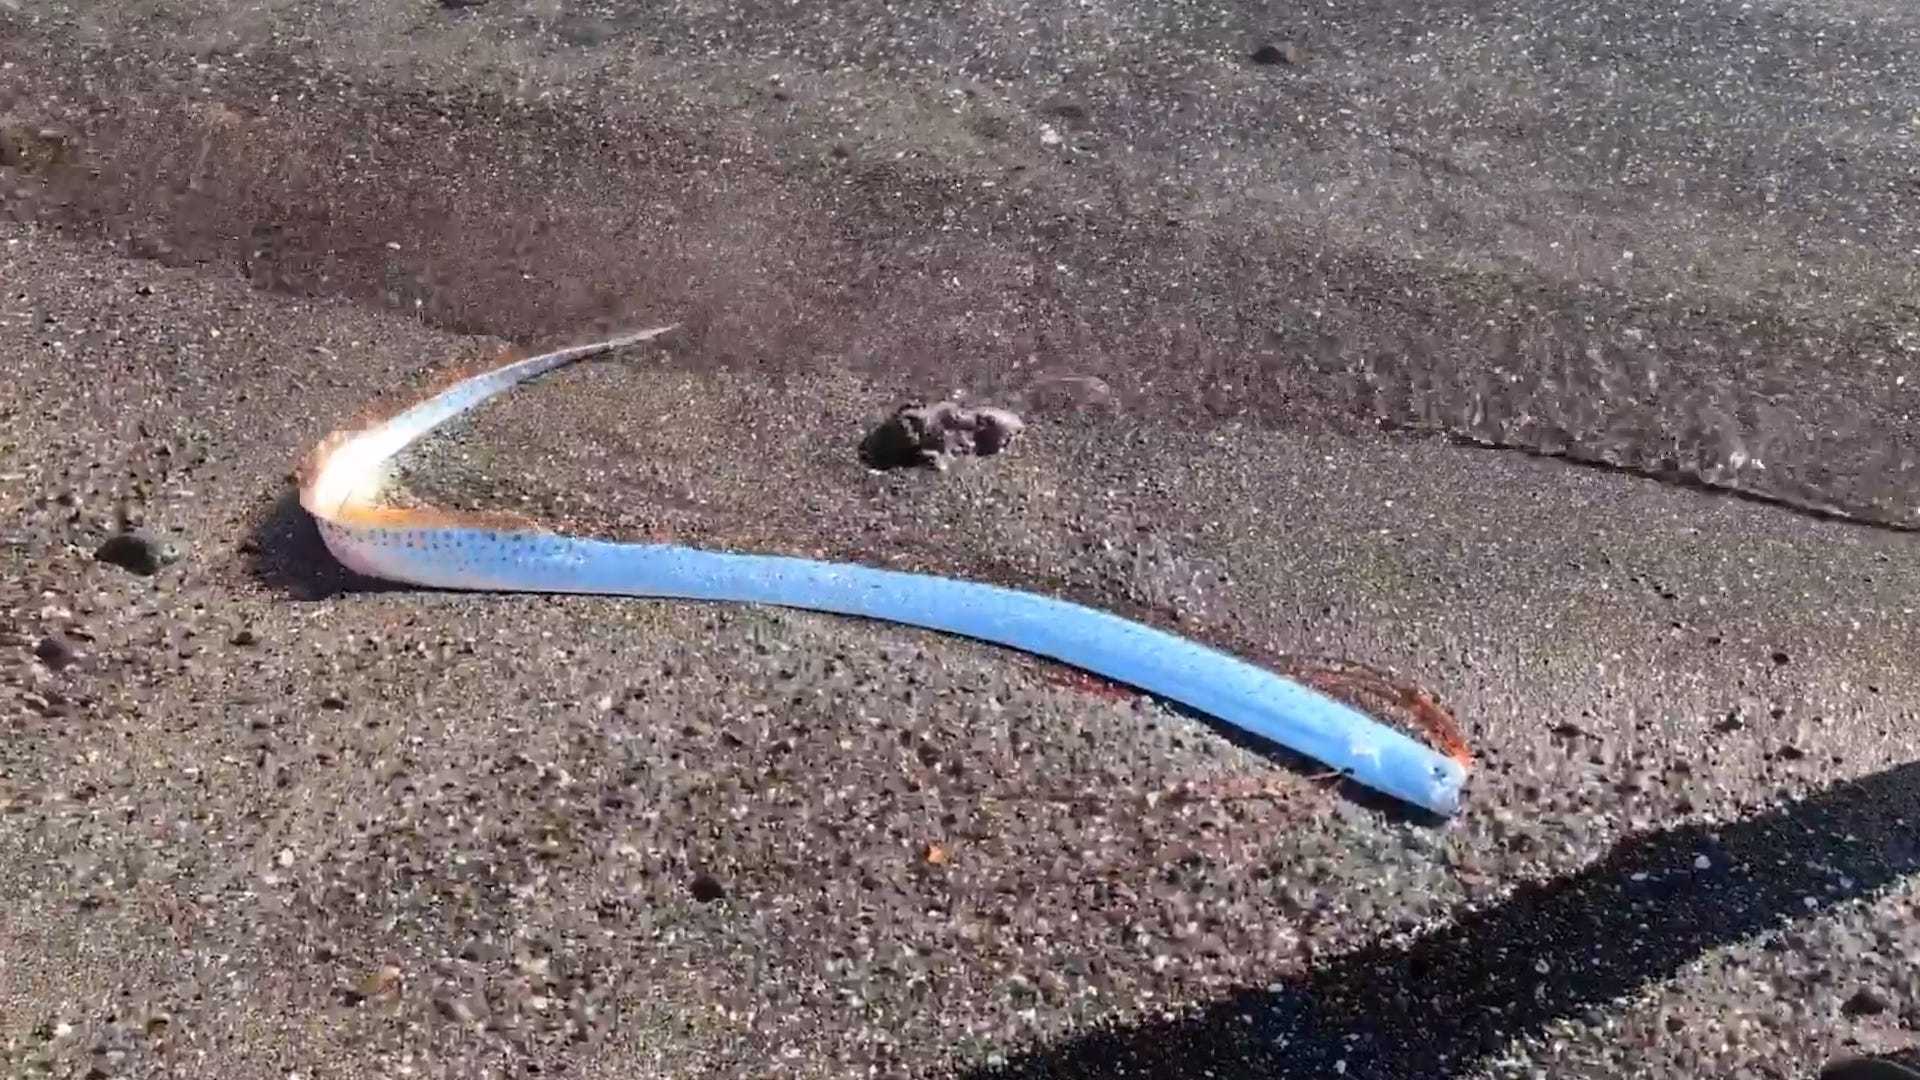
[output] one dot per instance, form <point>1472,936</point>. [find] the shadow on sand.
<point>1448,1001</point>
<point>286,554</point>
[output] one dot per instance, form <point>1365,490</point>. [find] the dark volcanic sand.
<point>253,824</point>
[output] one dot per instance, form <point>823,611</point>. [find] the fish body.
<point>506,553</point>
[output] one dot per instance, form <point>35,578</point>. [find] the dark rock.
<point>55,652</point>
<point>1073,111</point>
<point>137,551</point>
<point>707,888</point>
<point>1284,52</point>
<point>933,434</point>
<point>1864,1002</point>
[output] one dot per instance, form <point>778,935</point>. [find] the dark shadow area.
<point>285,553</point>
<point>1444,1003</point>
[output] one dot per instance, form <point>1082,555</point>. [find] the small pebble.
<point>54,652</point>
<point>1284,52</point>
<point>137,551</point>
<point>707,888</point>
<point>1864,1002</point>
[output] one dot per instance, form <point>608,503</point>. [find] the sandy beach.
<point>1304,343</point>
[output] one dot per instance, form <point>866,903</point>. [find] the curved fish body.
<point>495,553</point>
